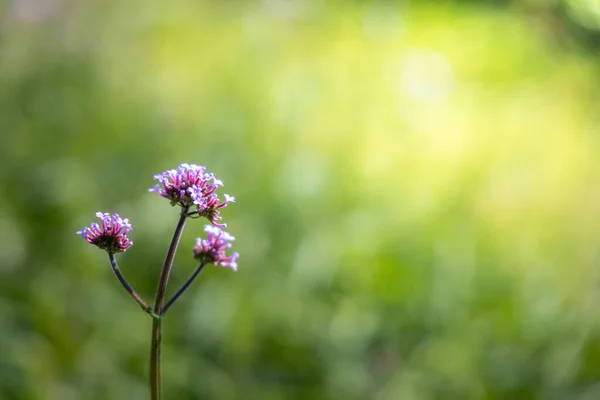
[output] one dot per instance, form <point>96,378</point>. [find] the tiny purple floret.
<point>110,235</point>
<point>190,186</point>
<point>212,249</point>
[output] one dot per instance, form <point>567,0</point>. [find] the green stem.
<point>182,289</point>
<point>155,348</point>
<point>155,364</point>
<point>127,286</point>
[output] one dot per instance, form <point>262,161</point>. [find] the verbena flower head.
<point>110,235</point>
<point>212,249</point>
<point>190,186</point>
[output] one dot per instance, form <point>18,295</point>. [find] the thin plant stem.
<point>168,264</point>
<point>194,214</point>
<point>155,360</point>
<point>127,286</point>
<point>155,348</point>
<point>182,289</point>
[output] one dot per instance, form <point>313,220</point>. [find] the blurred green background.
<point>418,197</point>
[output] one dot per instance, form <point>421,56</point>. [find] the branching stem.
<point>155,348</point>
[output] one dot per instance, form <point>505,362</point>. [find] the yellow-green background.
<point>418,197</point>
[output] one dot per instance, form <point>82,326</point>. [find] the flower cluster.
<point>111,235</point>
<point>190,186</point>
<point>212,249</point>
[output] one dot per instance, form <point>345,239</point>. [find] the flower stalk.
<point>128,288</point>
<point>182,289</point>
<point>156,341</point>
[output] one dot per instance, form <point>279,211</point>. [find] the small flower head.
<point>110,235</point>
<point>190,186</point>
<point>212,249</point>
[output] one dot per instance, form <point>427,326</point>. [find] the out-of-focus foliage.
<point>418,198</point>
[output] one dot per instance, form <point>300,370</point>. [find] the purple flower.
<point>191,186</point>
<point>212,249</point>
<point>111,235</point>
